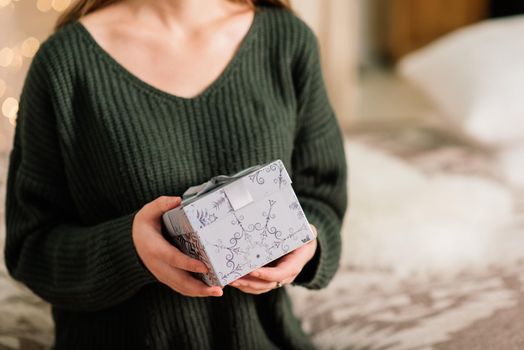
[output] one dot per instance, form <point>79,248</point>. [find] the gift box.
<point>238,223</point>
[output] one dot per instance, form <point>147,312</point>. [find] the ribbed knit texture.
<point>94,143</point>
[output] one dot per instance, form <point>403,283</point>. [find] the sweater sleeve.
<point>319,166</point>
<point>64,261</point>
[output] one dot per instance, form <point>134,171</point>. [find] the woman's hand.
<point>167,263</point>
<point>285,270</point>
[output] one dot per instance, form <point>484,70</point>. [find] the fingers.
<point>185,284</point>
<point>288,266</point>
<point>252,285</point>
<point>169,265</point>
<point>154,246</point>
<point>314,229</point>
<point>194,287</point>
<point>253,291</point>
<point>282,271</point>
<point>175,258</point>
<point>154,209</point>
<point>182,261</point>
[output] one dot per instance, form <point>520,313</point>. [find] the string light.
<point>10,107</point>
<point>6,57</point>
<point>29,47</point>
<point>60,5</point>
<point>17,60</point>
<point>14,57</point>
<point>3,87</point>
<point>43,5</point>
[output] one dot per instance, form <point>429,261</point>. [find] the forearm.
<point>68,265</point>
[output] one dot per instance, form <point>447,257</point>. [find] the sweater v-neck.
<point>234,61</point>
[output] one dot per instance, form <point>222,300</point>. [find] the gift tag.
<point>238,194</point>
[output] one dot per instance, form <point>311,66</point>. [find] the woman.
<point>127,105</point>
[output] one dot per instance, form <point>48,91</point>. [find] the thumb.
<point>160,205</point>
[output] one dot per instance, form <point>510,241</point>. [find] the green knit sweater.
<point>94,143</point>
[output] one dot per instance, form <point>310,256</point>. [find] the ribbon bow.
<point>195,191</point>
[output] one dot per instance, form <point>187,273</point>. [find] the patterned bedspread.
<point>479,306</point>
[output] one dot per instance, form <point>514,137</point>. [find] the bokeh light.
<point>10,107</point>
<point>3,87</point>
<point>44,5</point>
<point>29,47</point>
<point>60,5</point>
<point>6,57</point>
<point>17,60</point>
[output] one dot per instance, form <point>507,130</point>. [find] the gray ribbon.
<point>195,191</point>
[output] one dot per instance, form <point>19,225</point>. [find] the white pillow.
<point>475,75</point>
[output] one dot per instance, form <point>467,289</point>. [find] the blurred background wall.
<point>23,25</point>
<point>356,36</point>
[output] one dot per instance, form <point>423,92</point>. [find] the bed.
<point>399,285</point>
<point>402,286</point>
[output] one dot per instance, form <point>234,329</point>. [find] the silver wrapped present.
<point>236,224</point>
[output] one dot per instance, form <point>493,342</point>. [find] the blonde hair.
<point>83,7</point>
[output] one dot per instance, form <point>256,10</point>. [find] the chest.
<point>132,141</point>
<point>181,62</point>
<point>180,67</point>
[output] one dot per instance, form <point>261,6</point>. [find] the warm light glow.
<point>6,57</point>
<point>43,5</point>
<point>10,107</point>
<point>17,61</point>
<point>29,47</point>
<point>4,3</point>
<point>60,5</point>
<point>3,87</point>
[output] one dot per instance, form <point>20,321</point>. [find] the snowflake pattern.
<point>256,177</point>
<point>205,218</point>
<point>251,243</point>
<point>261,241</point>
